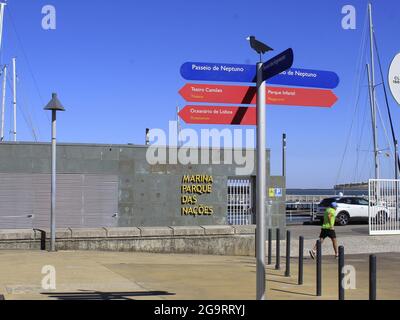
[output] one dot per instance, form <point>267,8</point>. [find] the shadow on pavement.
<point>283,282</point>
<point>96,295</point>
<point>293,292</point>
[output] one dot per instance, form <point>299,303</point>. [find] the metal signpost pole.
<point>284,146</point>
<point>261,181</point>
<point>53,179</point>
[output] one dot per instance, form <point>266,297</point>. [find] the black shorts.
<point>325,233</point>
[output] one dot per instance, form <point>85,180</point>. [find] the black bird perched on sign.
<point>258,46</point>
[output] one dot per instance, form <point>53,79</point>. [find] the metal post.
<point>396,163</point>
<point>147,137</point>
<point>53,181</point>
<point>284,145</point>
<point>178,127</point>
<point>341,274</point>
<point>301,261</point>
<point>269,247</point>
<point>288,240</point>
<point>372,277</point>
<point>3,103</point>
<point>319,268</point>
<point>2,7</point>
<point>278,250</point>
<point>261,181</point>
<point>14,61</point>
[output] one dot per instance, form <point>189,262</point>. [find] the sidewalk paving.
<point>115,275</point>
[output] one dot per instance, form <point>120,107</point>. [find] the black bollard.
<point>319,268</point>
<point>278,250</point>
<point>42,239</point>
<point>301,261</point>
<point>288,240</point>
<point>372,278</point>
<point>269,247</point>
<point>341,274</point>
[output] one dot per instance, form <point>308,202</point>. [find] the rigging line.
<point>357,151</point>
<point>363,123</point>
<point>384,129</point>
<point>26,117</point>
<point>357,82</point>
<point>360,140</point>
<point>348,137</point>
<point>26,59</point>
<point>386,96</point>
<point>25,102</point>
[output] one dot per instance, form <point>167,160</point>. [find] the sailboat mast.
<point>14,60</point>
<point>2,6</point>
<point>373,94</point>
<point>3,103</point>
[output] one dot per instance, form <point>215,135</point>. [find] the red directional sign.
<point>247,95</point>
<point>301,97</point>
<point>219,115</point>
<point>219,94</point>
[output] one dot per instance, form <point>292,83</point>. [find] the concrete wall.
<point>148,195</point>
<point>214,240</point>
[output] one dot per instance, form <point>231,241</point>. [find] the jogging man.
<point>328,230</point>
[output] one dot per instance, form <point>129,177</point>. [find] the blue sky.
<point>115,66</point>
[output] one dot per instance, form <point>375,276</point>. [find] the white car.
<point>352,208</point>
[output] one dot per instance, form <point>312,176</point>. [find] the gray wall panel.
<point>97,181</point>
<point>82,200</point>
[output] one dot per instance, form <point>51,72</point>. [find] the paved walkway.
<point>355,238</point>
<point>112,275</point>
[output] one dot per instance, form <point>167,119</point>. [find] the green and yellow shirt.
<point>329,219</point>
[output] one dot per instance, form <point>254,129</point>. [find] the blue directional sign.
<point>224,72</point>
<point>221,72</point>
<point>306,78</point>
<point>278,64</point>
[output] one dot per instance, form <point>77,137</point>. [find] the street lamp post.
<point>54,105</point>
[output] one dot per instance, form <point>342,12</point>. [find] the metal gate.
<point>240,202</point>
<point>384,207</point>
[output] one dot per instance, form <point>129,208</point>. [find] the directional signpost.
<point>219,72</point>
<point>306,78</point>
<point>278,64</point>
<point>208,93</point>
<point>219,115</point>
<point>277,71</point>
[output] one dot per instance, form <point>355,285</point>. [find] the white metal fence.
<point>240,202</point>
<point>384,207</point>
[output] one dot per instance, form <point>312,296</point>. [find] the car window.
<point>346,201</point>
<point>362,202</point>
<point>328,202</point>
<point>355,201</point>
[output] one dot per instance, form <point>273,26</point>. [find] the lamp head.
<point>54,104</point>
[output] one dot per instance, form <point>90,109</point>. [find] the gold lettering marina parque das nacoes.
<point>196,189</point>
<point>192,187</point>
<point>198,179</point>
<point>198,211</point>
